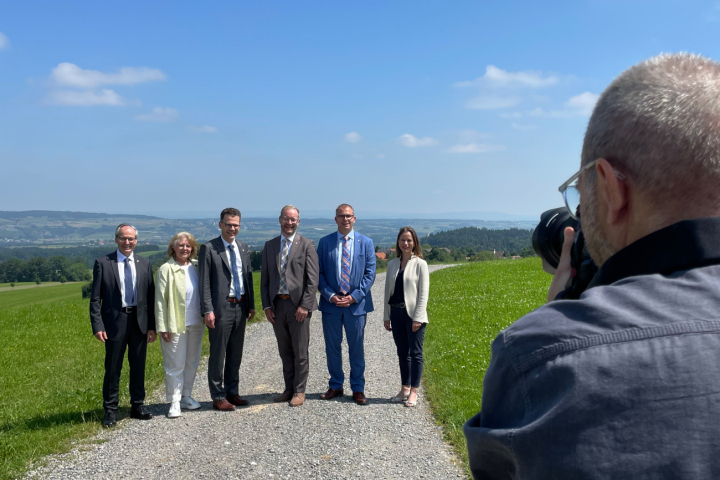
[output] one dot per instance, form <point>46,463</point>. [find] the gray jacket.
<point>623,383</point>
<point>301,273</point>
<point>215,277</point>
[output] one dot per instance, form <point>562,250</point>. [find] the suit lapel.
<point>114,263</point>
<point>139,277</point>
<point>294,249</point>
<point>356,252</point>
<point>220,247</point>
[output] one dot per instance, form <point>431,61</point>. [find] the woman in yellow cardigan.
<point>407,284</point>
<point>178,321</point>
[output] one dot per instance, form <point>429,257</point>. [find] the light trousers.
<point>181,357</point>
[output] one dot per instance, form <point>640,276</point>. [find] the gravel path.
<point>322,439</point>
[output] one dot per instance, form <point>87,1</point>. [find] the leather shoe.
<point>297,400</point>
<point>109,420</point>
<point>331,393</point>
<point>139,413</point>
<point>237,400</point>
<point>359,398</point>
<point>223,405</point>
<point>284,397</point>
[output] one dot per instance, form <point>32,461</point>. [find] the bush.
<point>86,290</point>
<point>63,279</point>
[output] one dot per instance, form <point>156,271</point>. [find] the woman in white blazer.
<point>178,319</point>
<point>407,284</point>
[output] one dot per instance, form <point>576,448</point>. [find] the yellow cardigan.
<point>170,297</point>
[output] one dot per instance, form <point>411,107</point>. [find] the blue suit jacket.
<point>362,274</point>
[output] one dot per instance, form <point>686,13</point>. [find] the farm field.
<point>52,373</point>
<point>468,307</point>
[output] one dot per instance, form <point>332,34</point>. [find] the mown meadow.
<point>51,373</point>
<point>468,307</point>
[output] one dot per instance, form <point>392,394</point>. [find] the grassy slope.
<point>468,306</point>
<point>52,372</point>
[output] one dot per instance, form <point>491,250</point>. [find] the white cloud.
<point>352,137</point>
<point>492,103</point>
<point>158,114</point>
<point>202,129</point>
<point>70,75</point>
<point>85,99</point>
<point>497,77</point>
<point>578,106</point>
<point>525,128</point>
<point>4,42</point>
<point>583,103</point>
<point>511,115</point>
<point>412,141</point>
<point>476,148</point>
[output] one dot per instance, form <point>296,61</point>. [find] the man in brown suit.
<point>288,282</point>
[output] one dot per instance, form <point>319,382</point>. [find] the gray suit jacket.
<point>106,300</point>
<point>301,274</point>
<point>215,277</point>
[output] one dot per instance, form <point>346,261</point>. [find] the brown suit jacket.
<point>301,275</point>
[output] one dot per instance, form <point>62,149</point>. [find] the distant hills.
<point>479,239</point>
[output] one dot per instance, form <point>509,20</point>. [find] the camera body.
<point>548,239</point>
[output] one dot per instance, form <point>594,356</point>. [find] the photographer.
<point>623,382</point>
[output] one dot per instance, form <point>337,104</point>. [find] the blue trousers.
<point>333,323</point>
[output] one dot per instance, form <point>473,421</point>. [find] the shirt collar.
<point>291,238</point>
<point>226,243</point>
<point>351,235</point>
<point>681,246</point>
<point>121,258</point>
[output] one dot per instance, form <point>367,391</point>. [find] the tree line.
<point>39,269</point>
<point>482,239</point>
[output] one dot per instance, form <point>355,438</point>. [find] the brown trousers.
<point>293,340</point>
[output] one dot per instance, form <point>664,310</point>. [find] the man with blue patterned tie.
<point>227,302</point>
<point>347,272</point>
<point>122,315</point>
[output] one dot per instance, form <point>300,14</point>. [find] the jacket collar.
<point>681,246</point>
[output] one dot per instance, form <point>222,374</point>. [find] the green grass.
<point>468,307</point>
<point>51,373</point>
<point>147,254</point>
<point>54,294</point>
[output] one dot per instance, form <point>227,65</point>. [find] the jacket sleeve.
<point>161,300</point>
<point>311,276</point>
<point>489,433</point>
<point>325,289</point>
<point>150,298</point>
<point>265,280</point>
<point>204,268</point>
<point>388,291</point>
<point>368,277</point>
<point>250,289</point>
<point>423,292</point>
<point>96,320</point>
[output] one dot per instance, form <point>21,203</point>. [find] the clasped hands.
<point>342,300</point>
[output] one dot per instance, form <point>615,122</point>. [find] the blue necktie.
<point>129,290</point>
<point>233,264</point>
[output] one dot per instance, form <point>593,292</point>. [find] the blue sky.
<point>185,108</point>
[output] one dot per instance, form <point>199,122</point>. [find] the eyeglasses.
<point>345,217</point>
<point>127,239</point>
<point>290,220</point>
<point>231,225</point>
<point>570,192</point>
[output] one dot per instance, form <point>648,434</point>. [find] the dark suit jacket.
<point>215,277</point>
<point>301,274</point>
<point>106,299</point>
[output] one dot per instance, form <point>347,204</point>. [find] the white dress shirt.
<point>351,245</point>
<point>192,296</point>
<point>121,270</point>
<point>238,273</point>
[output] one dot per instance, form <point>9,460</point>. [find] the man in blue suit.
<point>347,271</point>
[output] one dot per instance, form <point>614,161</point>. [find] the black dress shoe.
<point>109,420</point>
<point>139,413</point>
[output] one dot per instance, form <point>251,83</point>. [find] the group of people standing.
<point>128,307</point>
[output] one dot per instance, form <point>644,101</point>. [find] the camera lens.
<point>548,236</point>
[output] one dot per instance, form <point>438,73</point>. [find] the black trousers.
<point>293,340</point>
<point>129,337</point>
<point>226,348</point>
<point>409,346</point>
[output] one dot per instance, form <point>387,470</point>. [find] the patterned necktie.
<point>283,267</point>
<point>129,290</point>
<point>233,264</point>
<point>345,274</point>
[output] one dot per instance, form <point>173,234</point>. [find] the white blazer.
<point>416,287</point>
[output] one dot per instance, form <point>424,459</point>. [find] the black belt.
<point>397,305</point>
<point>128,309</point>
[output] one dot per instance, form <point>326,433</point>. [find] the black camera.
<point>547,241</point>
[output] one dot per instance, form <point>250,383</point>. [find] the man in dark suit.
<point>347,271</point>
<point>227,302</point>
<point>288,282</point>
<point>122,314</point>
